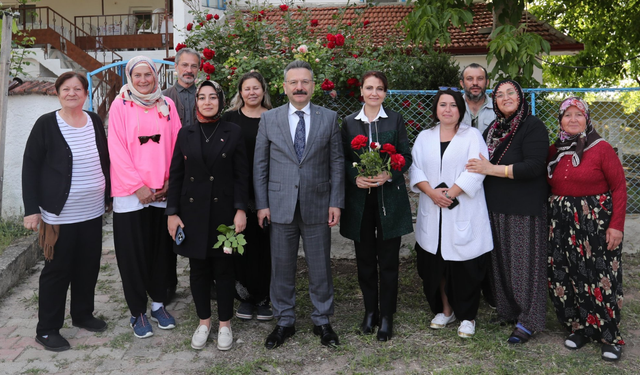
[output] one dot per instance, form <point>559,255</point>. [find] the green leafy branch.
<point>515,51</point>
<point>430,20</point>
<point>19,51</point>
<point>230,240</point>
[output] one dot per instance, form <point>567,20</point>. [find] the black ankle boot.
<point>386,328</point>
<point>369,323</point>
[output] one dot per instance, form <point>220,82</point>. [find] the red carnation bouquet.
<point>379,158</point>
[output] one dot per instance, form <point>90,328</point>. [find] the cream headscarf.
<point>155,98</point>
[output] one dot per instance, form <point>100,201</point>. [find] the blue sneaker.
<point>163,318</point>
<point>141,326</point>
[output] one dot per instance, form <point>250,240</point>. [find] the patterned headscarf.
<point>129,93</point>
<point>574,145</point>
<point>504,128</point>
<point>218,89</point>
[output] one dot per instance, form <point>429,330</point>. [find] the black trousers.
<point>202,273</point>
<point>76,262</point>
<point>373,255</point>
<point>253,268</point>
<point>143,247</point>
<point>462,282</point>
<point>172,272</point>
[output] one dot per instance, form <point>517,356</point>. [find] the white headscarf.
<point>155,98</point>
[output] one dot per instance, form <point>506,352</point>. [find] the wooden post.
<point>5,60</point>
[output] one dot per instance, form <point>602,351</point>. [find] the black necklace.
<point>209,137</point>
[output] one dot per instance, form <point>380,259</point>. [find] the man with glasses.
<point>183,94</point>
<point>474,81</point>
<point>299,189</point>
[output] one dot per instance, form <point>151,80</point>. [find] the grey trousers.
<point>316,240</point>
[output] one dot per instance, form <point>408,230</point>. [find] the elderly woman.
<point>253,268</point>
<point>143,126</point>
<point>516,191</point>
<point>586,218</point>
<point>452,239</point>
<point>208,187</point>
<point>377,211</point>
<point>65,188</point>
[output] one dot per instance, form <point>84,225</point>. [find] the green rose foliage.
<point>228,238</point>
<point>248,39</point>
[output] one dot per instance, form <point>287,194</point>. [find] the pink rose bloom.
<point>333,94</point>
<point>303,48</point>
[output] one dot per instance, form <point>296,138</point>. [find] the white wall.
<point>22,113</point>
<point>464,60</point>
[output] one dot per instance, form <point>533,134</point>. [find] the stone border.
<point>17,259</point>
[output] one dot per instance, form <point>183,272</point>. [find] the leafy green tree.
<point>514,49</point>
<point>610,33</point>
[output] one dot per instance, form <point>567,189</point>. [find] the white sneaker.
<point>467,329</point>
<point>200,337</point>
<point>441,321</point>
<point>225,338</point>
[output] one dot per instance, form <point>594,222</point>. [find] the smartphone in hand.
<point>180,235</point>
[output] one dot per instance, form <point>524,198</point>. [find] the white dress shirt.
<point>294,118</point>
<point>362,117</point>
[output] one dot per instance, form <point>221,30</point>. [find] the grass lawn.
<point>416,349</point>
<point>9,231</point>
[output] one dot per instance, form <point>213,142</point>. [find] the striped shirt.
<point>86,195</point>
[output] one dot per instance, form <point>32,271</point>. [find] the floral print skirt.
<point>585,279</point>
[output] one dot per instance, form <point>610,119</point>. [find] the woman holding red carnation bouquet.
<point>453,233</point>
<point>377,211</point>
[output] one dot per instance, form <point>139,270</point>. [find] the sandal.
<point>520,335</point>
<point>575,341</point>
<point>611,352</point>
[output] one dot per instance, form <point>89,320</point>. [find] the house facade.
<point>109,30</point>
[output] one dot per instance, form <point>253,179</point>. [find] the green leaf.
<point>240,250</point>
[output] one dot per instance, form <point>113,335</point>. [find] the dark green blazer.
<point>393,201</point>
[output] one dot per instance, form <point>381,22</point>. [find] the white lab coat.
<point>466,232</point>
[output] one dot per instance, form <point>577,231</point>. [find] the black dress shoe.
<point>92,324</point>
<point>327,336</point>
<point>171,294</point>
<point>386,328</point>
<point>53,342</point>
<point>278,335</point>
<point>369,323</point>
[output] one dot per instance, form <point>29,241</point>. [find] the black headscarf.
<point>503,128</point>
<point>218,89</point>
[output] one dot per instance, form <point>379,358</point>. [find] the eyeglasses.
<point>445,88</point>
<point>145,138</point>
<point>501,95</point>
<point>305,82</point>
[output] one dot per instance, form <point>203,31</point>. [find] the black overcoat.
<point>205,195</point>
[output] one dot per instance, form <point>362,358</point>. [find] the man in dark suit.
<point>299,188</point>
